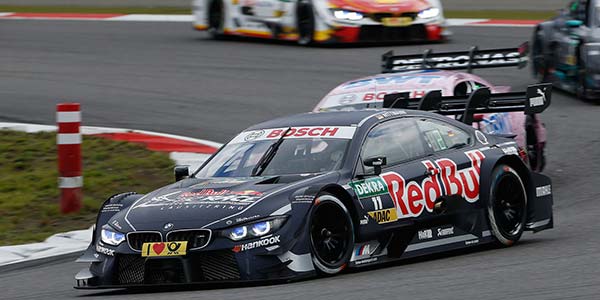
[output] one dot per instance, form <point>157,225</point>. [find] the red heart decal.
<point>158,248</point>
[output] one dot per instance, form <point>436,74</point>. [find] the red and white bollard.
<point>68,140</point>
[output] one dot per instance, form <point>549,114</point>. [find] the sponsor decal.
<point>388,114</point>
<point>542,191</point>
<point>472,242</point>
<point>116,224</point>
<point>164,249</point>
<point>245,219</point>
<point>254,135</point>
<point>445,231</point>
<point>369,187</point>
<point>394,80</point>
<point>267,241</point>
<point>112,207</point>
<point>364,250</point>
<point>105,251</point>
<point>206,198</point>
<point>336,132</point>
<point>364,220</point>
<point>458,61</point>
<point>411,198</point>
<point>510,150</point>
<point>306,199</point>
<point>384,216</point>
<point>347,99</point>
<point>425,234</point>
<point>381,95</point>
<point>366,261</point>
<point>539,100</point>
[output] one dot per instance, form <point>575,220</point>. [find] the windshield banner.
<point>326,132</point>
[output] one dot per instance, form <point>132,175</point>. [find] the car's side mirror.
<point>181,172</point>
<point>574,23</point>
<point>376,162</point>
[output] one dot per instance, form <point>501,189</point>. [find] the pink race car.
<point>416,75</point>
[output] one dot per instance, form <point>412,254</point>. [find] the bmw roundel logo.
<point>254,135</point>
<point>168,226</point>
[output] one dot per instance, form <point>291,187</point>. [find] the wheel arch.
<point>511,160</point>
<point>341,193</point>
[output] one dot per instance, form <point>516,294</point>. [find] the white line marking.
<point>153,18</point>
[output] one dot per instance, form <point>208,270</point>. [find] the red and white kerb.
<point>68,140</point>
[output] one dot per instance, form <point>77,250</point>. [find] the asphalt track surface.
<point>165,77</point>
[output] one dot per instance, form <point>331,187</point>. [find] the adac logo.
<point>254,135</point>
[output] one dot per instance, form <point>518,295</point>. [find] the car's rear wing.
<point>460,60</point>
<point>533,101</point>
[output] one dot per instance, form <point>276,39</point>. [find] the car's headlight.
<point>342,14</point>
<point>429,13</point>
<point>253,230</point>
<point>112,237</point>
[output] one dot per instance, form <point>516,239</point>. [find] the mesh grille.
<point>195,238</point>
<point>219,265</point>
<point>382,33</point>
<point>130,269</point>
<point>137,239</point>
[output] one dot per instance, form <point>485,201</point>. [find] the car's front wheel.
<point>305,19</point>
<point>216,19</point>
<point>507,205</point>
<point>331,234</point>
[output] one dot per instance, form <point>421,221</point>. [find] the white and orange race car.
<point>323,21</point>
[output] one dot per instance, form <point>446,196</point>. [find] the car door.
<point>455,159</point>
<point>395,196</point>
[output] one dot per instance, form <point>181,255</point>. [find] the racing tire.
<point>507,205</point>
<point>216,19</point>
<point>331,235</point>
<point>305,22</point>
<point>539,63</point>
<point>582,88</point>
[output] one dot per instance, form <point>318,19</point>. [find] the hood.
<point>194,203</point>
<point>381,6</point>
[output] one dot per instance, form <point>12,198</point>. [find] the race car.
<point>324,21</point>
<point>566,49</point>
<point>317,193</point>
<point>418,74</point>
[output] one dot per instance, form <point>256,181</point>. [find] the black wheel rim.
<point>330,234</point>
<point>306,25</point>
<point>509,205</point>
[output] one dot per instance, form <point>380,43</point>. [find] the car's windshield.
<point>303,150</point>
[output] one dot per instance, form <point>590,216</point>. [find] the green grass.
<point>501,14</point>
<point>29,197</point>
<point>97,10</point>
<point>484,14</point>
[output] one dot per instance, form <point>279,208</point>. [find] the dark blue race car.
<point>318,193</point>
<point>566,49</point>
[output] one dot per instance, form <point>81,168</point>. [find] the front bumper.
<point>221,266</point>
<point>380,33</point>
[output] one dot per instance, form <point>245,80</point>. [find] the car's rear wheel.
<point>507,205</point>
<point>539,65</point>
<point>331,235</point>
<point>216,19</point>
<point>305,19</point>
